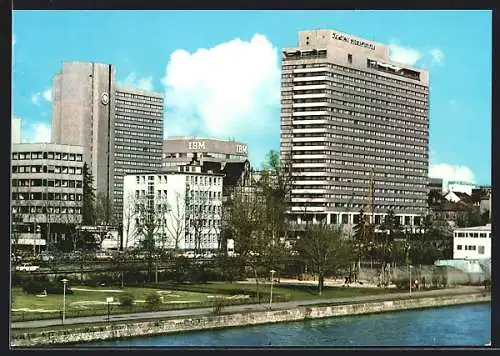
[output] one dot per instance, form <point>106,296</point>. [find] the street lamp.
<point>109,300</point>
<point>64,299</point>
<point>409,269</point>
<point>272,282</point>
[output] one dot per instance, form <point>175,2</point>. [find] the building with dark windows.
<point>180,151</point>
<point>120,129</point>
<point>47,189</point>
<point>355,127</point>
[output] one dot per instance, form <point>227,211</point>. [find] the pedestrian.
<point>416,283</point>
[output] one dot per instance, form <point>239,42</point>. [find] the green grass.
<point>92,301</point>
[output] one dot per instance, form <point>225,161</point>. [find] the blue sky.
<point>219,70</point>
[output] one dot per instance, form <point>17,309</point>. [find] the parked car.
<point>27,267</point>
<point>189,254</point>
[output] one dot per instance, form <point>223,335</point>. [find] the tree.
<point>469,218</point>
<point>103,210</point>
<point>88,206</point>
<point>434,198</point>
<point>325,249</point>
<point>363,237</point>
<point>385,243</point>
<point>129,216</point>
<point>177,220</point>
<point>146,227</point>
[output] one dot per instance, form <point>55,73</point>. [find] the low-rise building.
<point>472,242</point>
<point>47,192</point>
<point>181,150</point>
<point>181,209</point>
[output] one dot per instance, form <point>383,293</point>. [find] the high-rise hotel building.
<point>120,129</point>
<point>355,128</point>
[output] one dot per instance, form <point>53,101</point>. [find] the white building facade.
<point>461,187</point>
<point>182,209</point>
<point>472,242</point>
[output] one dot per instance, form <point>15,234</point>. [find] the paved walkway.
<point>239,308</point>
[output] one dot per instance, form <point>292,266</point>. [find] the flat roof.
<point>165,172</point>
<point>475,228</point>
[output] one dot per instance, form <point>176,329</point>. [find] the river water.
<point>465,325</point>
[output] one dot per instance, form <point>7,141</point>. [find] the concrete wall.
<point>92,334</point>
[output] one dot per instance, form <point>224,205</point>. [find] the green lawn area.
<point>92,301</point>
<point>86,301</point>
<point>291,292</point>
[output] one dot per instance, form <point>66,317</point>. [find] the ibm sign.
<point>196,145</point>
<point>241,149</point>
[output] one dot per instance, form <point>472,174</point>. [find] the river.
<point>465,325</point>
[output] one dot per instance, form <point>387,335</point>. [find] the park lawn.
<point>84,298</point>
<point>292,292</point>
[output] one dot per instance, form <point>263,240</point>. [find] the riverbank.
<point>77,334</point>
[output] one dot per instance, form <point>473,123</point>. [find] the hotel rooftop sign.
<point>353,41</point>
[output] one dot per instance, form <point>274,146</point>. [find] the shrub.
<point>218,306</point>
<point>126,300</point>
<point>153,301</point>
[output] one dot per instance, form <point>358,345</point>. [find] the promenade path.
<point>241,308</point>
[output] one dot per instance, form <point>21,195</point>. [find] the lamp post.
<point>65,281</point>
<point>272,282</point>
<point>409,269</point>
<point>108,301</point>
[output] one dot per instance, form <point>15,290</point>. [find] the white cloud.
<point>35,97</point>
<point>38,132</point>
<point>449,172</point>
<point>404,55</point>
<point>47,94</point>
<point>227,90</point>
<point>437,56</point>
<point>145,83</point>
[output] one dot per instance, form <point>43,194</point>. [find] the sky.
<point>220,70</point>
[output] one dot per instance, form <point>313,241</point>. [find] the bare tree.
<point>176,225</point>
<point>130,211</point>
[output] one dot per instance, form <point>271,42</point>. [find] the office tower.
<point>180,151</point>
<point>120,129</point>
<point>354,126</point>
<point>47,189</point>
<point>16,130</point>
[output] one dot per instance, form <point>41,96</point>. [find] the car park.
<point>27,267</point>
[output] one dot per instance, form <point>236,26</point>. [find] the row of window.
<point>44,210</point>
<point>380,181</point>
<point>379,166</point>
<point>138,96</point>
<point>46,196</point>
<point>383,207</point>
<point>138,119</point>
<point>352,112</point>
<point>196,195</point>
<point>357,197</point>
<point>59,156</point>
<point>205,239</point>
<point>142,112</point>
<point>363,148</point>
<point>135,103</point>
<point>287,66</point>
<point>138,126</point>
<point>382,126</point>
<point>119,162</point>
<point>47,183</point>
<point>159,179</point>
<point>204,180</point>
<point>380,158</point>
<point>480,249</point>
<point>47,169</point>
<point>376,142</point>
<point>136,141</point>
<point>140,134</point>
<point>135,148</point>
<point>472,234</point>
<point>136,156</point>
<point>378,190</point>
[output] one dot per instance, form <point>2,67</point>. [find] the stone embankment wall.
<point>75,334</point>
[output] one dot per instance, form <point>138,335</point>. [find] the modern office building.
<point>16,130</point>
<point>180,151</point>
<point>47,189</point>
<point>120,129</point>
<point>354,126</point>
<point>181,209</point>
